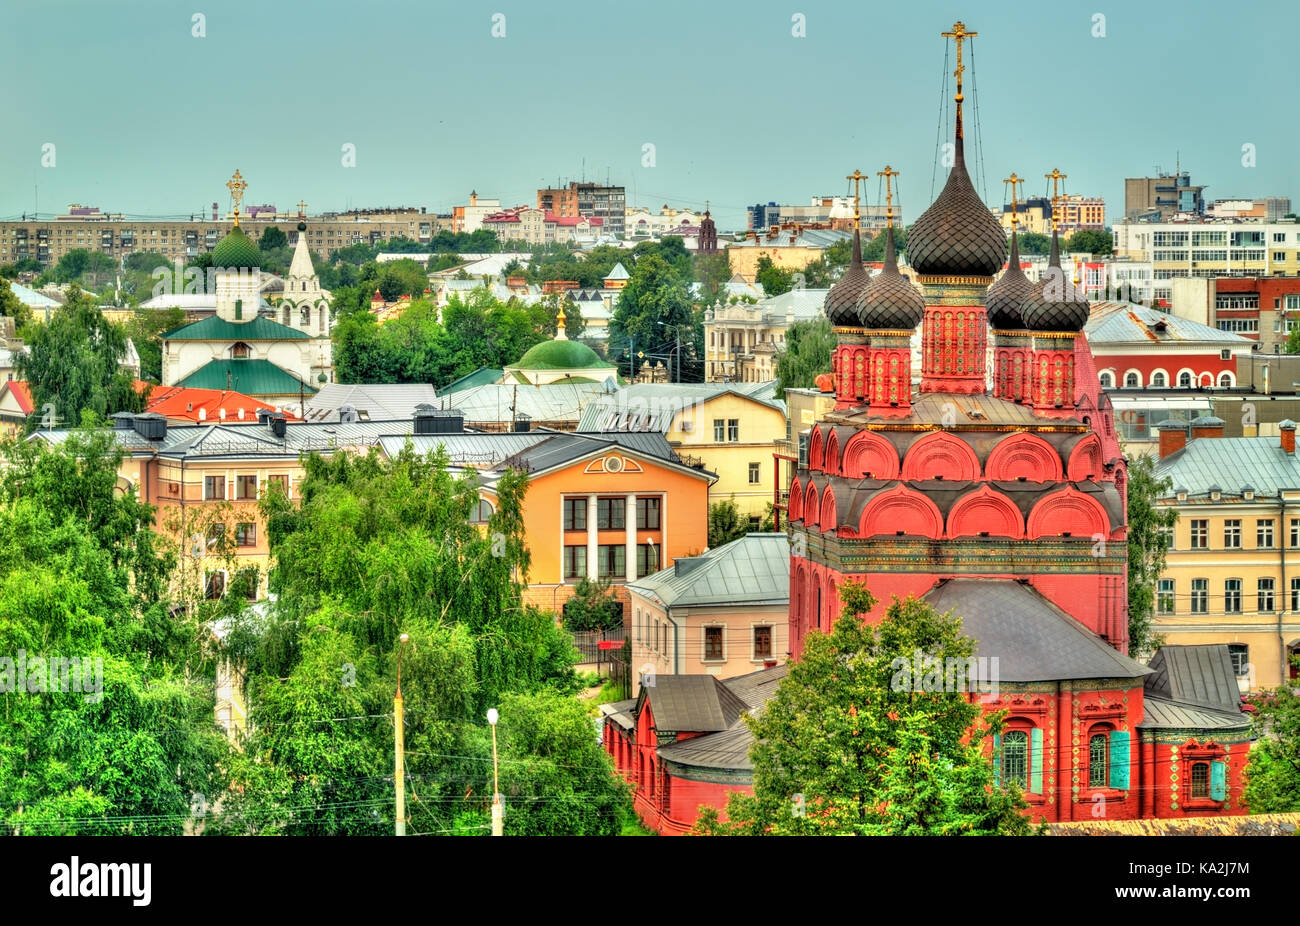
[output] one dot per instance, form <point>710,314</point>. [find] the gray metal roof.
<point>729,748</point>
<point>1161,713</point>
<point>622,713</point>
<point>1032,639</point>
<point>1195,675</point>
<point>1231,463</point>
<point>655,406</point>
<point>754,569</point>
<point>692,704</point>
<point>499,403</point>
<point>387,402</point>
<point>1130,323</point>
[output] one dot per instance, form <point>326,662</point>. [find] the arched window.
<point>1107,381</point>
<point>1015,758</point>
<point>285,316</point>
<point>1184,380</point>
<point>1225,380</point>
<point>482,512</point>
<point>1158,379</point>
<point>1098,760</point>
<point>1200,779</point>
<point>305,316</point>
<point>239,350</point>
<point>320,328</point>
<point>1132,380</point>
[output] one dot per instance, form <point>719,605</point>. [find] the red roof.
<point>565,220</point>
<point>185,403</point>
<point>22,394</point>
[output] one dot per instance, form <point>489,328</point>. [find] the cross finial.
<point>302,209</point>
<point>958,35</point>
<point>1056,177</point>
<point>857,177</point>
<point>236,185</point>
<point>889,174</point>
<point>1015,182</point>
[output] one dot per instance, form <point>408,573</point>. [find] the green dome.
<point>561,355</point>
<point>236,250</point>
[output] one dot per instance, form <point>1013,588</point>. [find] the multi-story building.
<point>587,200</point>
<point>1211,249</point>
<point>1073,213</point>
<point>1162,197</point>
<point>741,339</point>
<point>728,430</point>
<point>789,248</point>
<point>833,211</point>
<point>1262,309</point>
<point>1269,209</point>
<point>469,219</point>
<point>1232,569</point>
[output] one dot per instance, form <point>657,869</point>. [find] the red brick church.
<point>997,494</point>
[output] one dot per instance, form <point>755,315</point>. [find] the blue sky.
<point>149,120</point>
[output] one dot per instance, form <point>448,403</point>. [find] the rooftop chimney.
<point>1173,436</point>
<point>1207,426</point>
<point>1287,430</point>
<point>153,427</point>
<point>278,423</point>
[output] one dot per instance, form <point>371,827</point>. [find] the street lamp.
<point>399,743</point>
<point>498,811</point>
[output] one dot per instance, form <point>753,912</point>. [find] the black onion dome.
<point>957,235</point>
<point>1005,296</point>
<point>841,303</point>
<point>1054,303</point>
<point>890,302</point>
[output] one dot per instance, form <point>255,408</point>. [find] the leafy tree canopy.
<point>807,354</point>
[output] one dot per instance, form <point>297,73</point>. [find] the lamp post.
<point>399,743</point>
<point>498,811</point>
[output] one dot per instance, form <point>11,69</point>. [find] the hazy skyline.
<point>148,119</point>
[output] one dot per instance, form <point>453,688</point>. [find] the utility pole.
<point>498,810</point>
<point>399,744</point>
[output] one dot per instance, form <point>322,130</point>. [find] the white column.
<point>629,520</point>
<point>592,546</point>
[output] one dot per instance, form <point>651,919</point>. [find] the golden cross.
<point>857,177</point>
<point>959,34</point>
<point>302,209</point>
<point>1014,181</point>
<point>236,185</point>
<point>889,173</point>
<point>1056,177</point>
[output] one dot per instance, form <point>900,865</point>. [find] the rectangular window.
<point>1165,596</point>
<point>719,430</point>
<point>647,559</point>
<point>280,481</point>
<point>1200,596</point>
<point>1295,594</point>
<point>1240,655</point>
<point>1232,596</point>
<point>1167,537</point>
<point>612,559</point>
<point>754,473</point>
<point>733,430</point>
<point>575,562</point>
<point>245,488</point>
<point>712,643</point>
<point>609,513</point>
<point>1264,533</point>
<point>215,487</point>
<point>1015,758</point>
<point>647,513</point>
<point>763,642</point>
<point>1200,534</point>
<point>215,586</point>
<point>246,534</point>
<point>1232,534</point>
<point>1295,533</point>
<point>1265,595</point>
<point>575,514</point>
<point>1200,779</point>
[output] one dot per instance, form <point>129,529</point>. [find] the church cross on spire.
<point>236,185</point>
<point>1056,177</point>
<point>889,173</point>
<point>1015,182</point>
<point>857,177</point>
<point>959,34</point>
<point>302,209</point>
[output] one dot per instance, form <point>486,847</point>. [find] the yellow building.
<point>727,429</point>
<point>791,248</point>
<point>1232,573</point>
<point>741,341</point>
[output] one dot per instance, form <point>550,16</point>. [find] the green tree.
<point>272,238</point>
<point>847,746</point>
<point>592,607</point>
<point>712,272</point>
<point>1034,243</point>
<point>1292,344</point>
<point>1273,771</point>
<point>145,330</point>
<point>726,523</point>
<point>654,304</point>
<point>11,307</point>
<point>1150,525</point>
<point>1088,241</point>
<point>874,250</point>
<point>73,362</point>
<point>806,355</point>
<point>772,278</point>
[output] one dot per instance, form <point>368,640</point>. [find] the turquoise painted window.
<point>1036,761</point>
<point>1119,760</point>
<point>1218,781</point>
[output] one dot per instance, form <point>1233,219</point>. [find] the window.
<point>609,513</point>
<point>1015,758</point>
<point>612,560</point>
<point>215,586</point>
<point>754,469</point>
<point>575,562</point>
<point>1225,381</point>
<point>1165,596</point>
<point>1265,595</point>
<point>712,643</point>
<point>1232,596</point>
<point>647,513</point>
<point>280,481</point>
<point>719,430</point>
<point>1295,532</point>
<point>1200,596</point>
<point>215,487</point>
<point>246,534</point>
<point>245,487</point>
<point>482,513</point>
<point>1107,381</point>
<point>1200,534</point>
<point>763,642</point>
<point>1295,593</point>
<point>1264,533</point>
<point>216,533</point>
<point>1167,537</point>
<point>575,514</point>
<point>647,559</point>
<point>1184,380</point>
<point>1098,761</point>
<point>1158,380</point>
<point>1131,381</point>
<point>1200,779</point>
<point>1240,655</point>
<point>733,429</point>
<point>1232,533</point>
